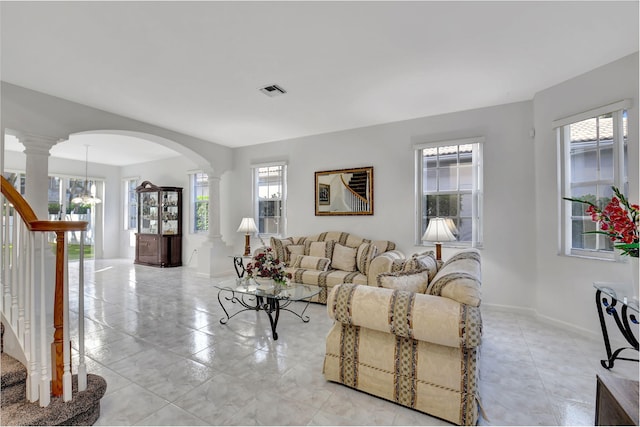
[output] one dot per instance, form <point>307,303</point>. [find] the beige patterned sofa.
<point>414,340</point>
<point>331,258</point>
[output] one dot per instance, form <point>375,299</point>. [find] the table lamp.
<point>247,226</point>
<point>438,231</point>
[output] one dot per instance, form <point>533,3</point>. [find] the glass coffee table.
<point>251,296</point>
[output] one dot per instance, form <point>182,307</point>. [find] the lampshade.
<point>248,225</point>
<point>438,231</point>
<point>452,226</point>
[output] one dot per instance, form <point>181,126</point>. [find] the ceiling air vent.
<point>273,90</point>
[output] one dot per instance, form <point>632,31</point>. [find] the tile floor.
<point>154,335</point>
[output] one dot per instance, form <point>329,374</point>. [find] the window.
<point>270,195</point>
<point>593,153</point>
<point>200,202</point>
<point>18,180</point>
<point>130,204</point>
<point>449,185</point>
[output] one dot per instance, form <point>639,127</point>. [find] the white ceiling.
<point>196,67</point>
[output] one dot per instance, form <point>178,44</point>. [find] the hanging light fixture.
<point>86,198</point>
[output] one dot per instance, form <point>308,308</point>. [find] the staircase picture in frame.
<point>344,191</point>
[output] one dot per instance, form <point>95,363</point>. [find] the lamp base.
<point>438,251</point>
<point>247,247</point>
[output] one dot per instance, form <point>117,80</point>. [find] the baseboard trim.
<point>549,320</point>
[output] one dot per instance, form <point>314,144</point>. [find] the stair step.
<point>13,383</point>
<point>83,409</point>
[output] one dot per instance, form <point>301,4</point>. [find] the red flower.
<point>618,220</point>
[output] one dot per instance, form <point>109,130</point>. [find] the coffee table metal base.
<point>269,304</point>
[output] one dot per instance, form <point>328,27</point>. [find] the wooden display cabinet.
<point>159,236</point>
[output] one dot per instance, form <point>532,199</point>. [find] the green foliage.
<point>54,208</point>
<point>202,216</point>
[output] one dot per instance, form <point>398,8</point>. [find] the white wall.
<point>508,267</point>
<point>564,284</point>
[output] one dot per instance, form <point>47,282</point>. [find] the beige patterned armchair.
<point>415,341</point>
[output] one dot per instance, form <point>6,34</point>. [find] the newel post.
<point>57,347</point>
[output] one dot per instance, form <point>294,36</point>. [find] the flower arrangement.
<point>267,265</point>
<point>618,220</point>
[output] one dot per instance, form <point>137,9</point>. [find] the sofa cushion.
<point>327,278</point>
<point>366,252</point>
<point>344,258</point>
<point>412,281</point>
<point>311,262</point>
<point>319,249</point>
<point>293,251</point>
<point>459,278</point>
<point>280,247</point>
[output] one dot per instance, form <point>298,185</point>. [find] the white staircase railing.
<point>25,282</point>
<point>354,201</point>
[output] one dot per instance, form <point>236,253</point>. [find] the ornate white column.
<point>37,149</point>
<point>214,255</point>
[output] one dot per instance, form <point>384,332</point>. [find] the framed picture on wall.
<point>324,194</point>
<point>344,191</point>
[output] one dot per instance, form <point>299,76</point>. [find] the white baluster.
<point>6,268</point>
<point>21,282</point>
<point>30,318</point>
<point>45,382</point>
<point>14,272</point>
<point>66,348</point>
<point>82,369</point>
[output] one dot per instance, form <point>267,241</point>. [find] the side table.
<point>608,296</point>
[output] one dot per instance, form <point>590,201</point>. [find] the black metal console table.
<point>611,298</point>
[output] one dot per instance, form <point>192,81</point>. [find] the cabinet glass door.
<point>170,212</point>
<point>149,212</point>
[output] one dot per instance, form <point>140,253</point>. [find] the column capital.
<point>37,144</point>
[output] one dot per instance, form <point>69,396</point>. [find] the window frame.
<point>565,184</point>
<point>476,191</point>
<point>126,199</point>
<point>282,226</point>
<point>193,208</point>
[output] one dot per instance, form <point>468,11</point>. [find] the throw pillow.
<point>311,262</point>
<point>412,281</point>
<point>426,260</point>
<point>319,249</point>
<point>366,252</point>
<point>293,251</point>
<point>344,258</point>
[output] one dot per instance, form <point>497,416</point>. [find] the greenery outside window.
<point>270,198</point>
<point>200,202</point>
<point>593,158</point>
<point>449,185</point>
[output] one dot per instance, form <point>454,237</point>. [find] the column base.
<point>214,259</point>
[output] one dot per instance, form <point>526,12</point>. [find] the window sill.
<point>595,257</point>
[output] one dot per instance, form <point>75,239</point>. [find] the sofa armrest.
<point>422,317</point>
<point>382,264</point>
